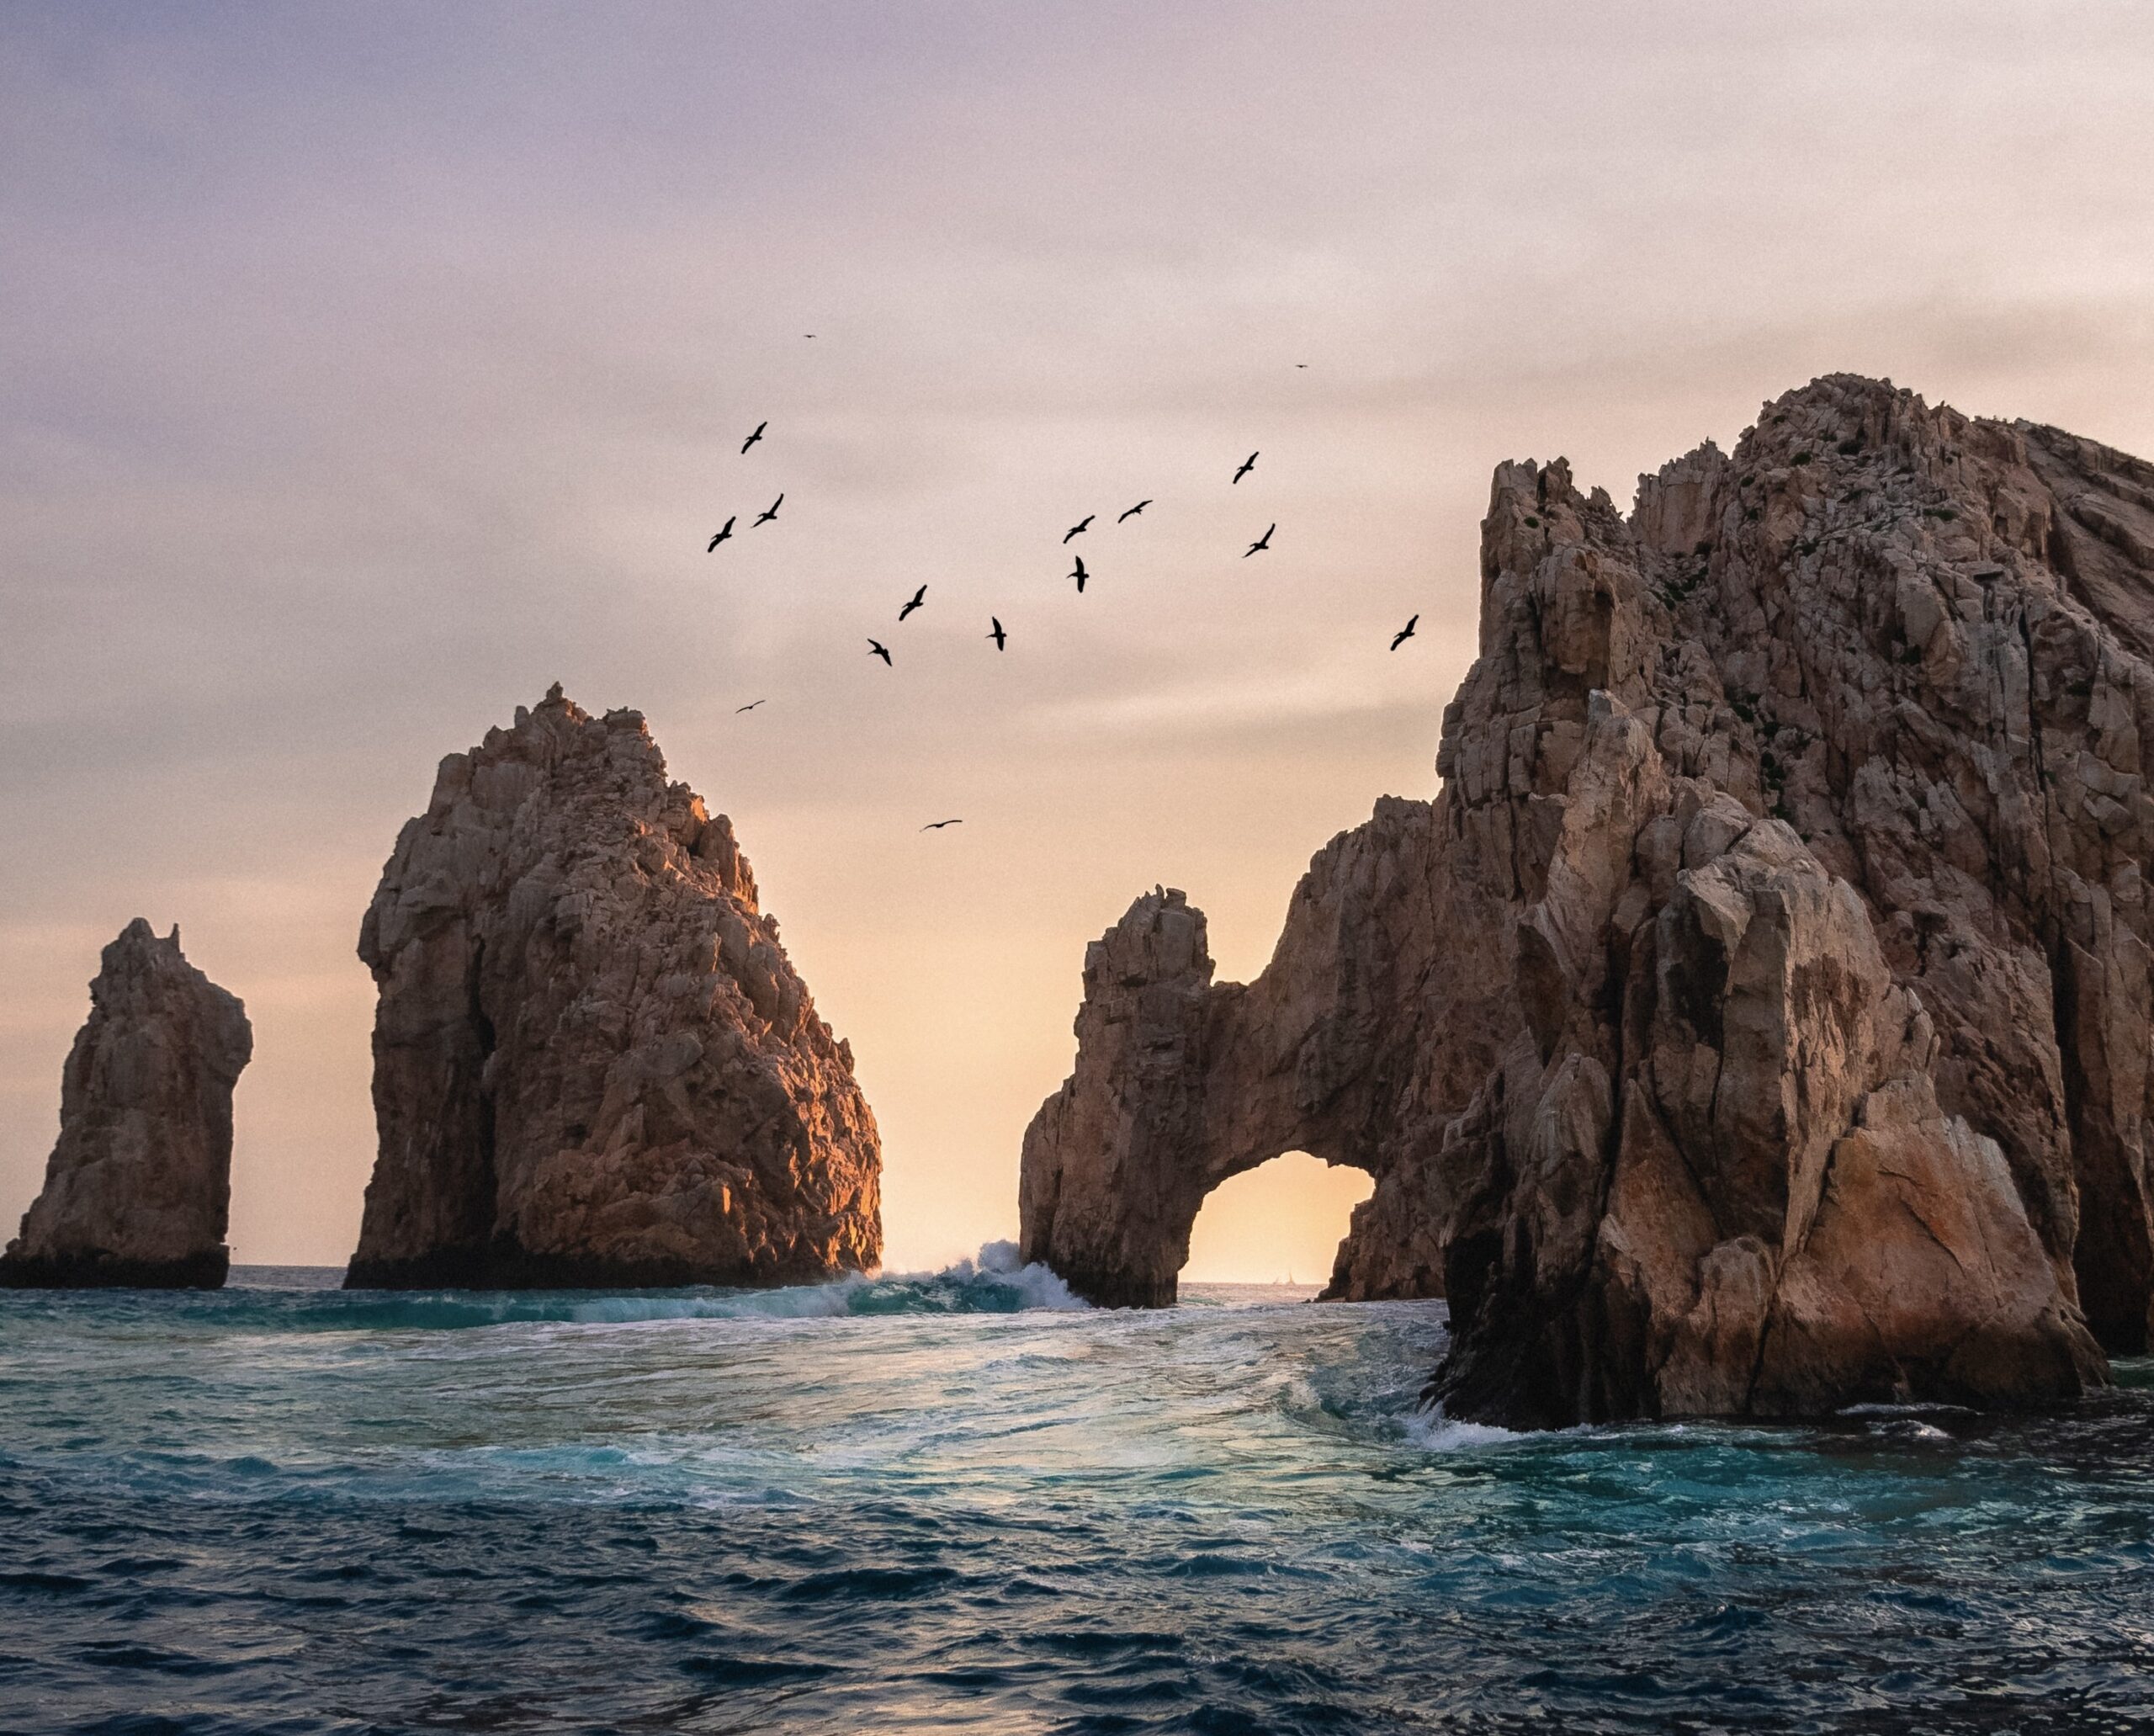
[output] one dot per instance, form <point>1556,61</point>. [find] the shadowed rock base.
<point>510,1268</point>
<point>84,1271</point>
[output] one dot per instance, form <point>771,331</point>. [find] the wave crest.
<point>993,1282</point>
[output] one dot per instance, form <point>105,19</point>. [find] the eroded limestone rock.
<point>1769,1024</point>
<point>138,1189</point>
<point>593,1064</point>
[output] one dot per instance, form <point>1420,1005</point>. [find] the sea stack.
<point>594,1065</point>
<point>139,1187</point>
<point>1766,1023</point>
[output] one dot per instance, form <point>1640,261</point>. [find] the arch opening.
<point>1279,1222</point>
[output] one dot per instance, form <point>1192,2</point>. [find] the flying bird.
<point>750,706</point>
<point>1134,511</point>
<point>753,437</point>
<point>919,597</point>
<point>998,635</point>
<point>1403,633</point>
<point>766,517</point>
<point>937,825</point>
<point>1249,463</point>
<point>1301,364</point>
<point>1262,541</point>
<point>1080,574</point>
<point>724,535</point>
<point>875,648</point>
<point>1075,528</point>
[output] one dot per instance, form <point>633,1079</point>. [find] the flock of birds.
<point>995,632</point>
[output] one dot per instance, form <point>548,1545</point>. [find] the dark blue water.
<point>945,1503</point>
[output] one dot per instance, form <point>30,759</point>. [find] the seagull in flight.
<point>750,706</point>
<point>998,635</point>
<point>1403,633</point>
<point>1080,574</point>
<point>937,825</point>
<point>766,517</point>
<point>1132,512</point>
<point>753,437</point>
<point>1075,528</point>
<point>875,648</point>
<point>724,535</point>
<point>919,597</point>
<point>1249,463</point>
<point>1262,541</point>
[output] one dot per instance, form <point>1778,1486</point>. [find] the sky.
<point>364,368</point>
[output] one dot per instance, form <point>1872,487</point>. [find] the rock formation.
<point>593,1064</point>
<point>1759,1019</point>
<point>137,1190</point>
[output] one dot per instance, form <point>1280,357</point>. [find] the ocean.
<point>962,1502</point>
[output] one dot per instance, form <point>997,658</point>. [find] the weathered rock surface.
<point>593,1064</point>
<point>1763,1025</point>
<point>139,1186</point>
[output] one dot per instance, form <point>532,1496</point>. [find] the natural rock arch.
<point>1181,1084</point>
<point>1760,1018</point>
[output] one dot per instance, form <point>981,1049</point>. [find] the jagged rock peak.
<point>593,1063</point>
<point>138,1189</point>
<point>1775,953</point>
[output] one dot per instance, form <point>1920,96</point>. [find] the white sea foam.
<point>995,1280</point>
<point>1437,1433</point>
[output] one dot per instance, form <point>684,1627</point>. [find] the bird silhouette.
<point>750,706</point>
<point>1262,541</point>
<point>724,535</point>
<point>875,648</point>
<point>753,437</point>
<point>997,634</point>
<point>1080,574</point>
<point>1134,511</point>
<point>937,825</point>
<point>919,597</point>
<point>1249,463</point>
<point>766,517</point>
<point>1405,632</point>
<point>1301,364</point>
<point>1075,528</point>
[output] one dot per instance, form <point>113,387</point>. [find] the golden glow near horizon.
<point>366,378</point>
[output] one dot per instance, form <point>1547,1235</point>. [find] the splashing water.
<point>961,1500</point>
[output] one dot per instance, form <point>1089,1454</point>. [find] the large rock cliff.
<point>1769,1025</point>
<point>593,1064</point>
<point>138,1188</point>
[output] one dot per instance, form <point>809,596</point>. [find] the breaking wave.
<point>263,1299</point>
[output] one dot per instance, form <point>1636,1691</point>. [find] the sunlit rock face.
<point>1772,971</point>
<point>138,1189</point>
<point>593,1064</point>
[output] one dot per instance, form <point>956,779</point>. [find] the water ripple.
<point>956,1501</point>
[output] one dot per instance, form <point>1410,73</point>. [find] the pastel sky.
<point>366,368</point>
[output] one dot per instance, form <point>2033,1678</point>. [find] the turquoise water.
<point>960,1502</point>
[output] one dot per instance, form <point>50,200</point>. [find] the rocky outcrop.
<point>593,1064</point>
<point>138,1189</point>
<point>1775,956</point>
